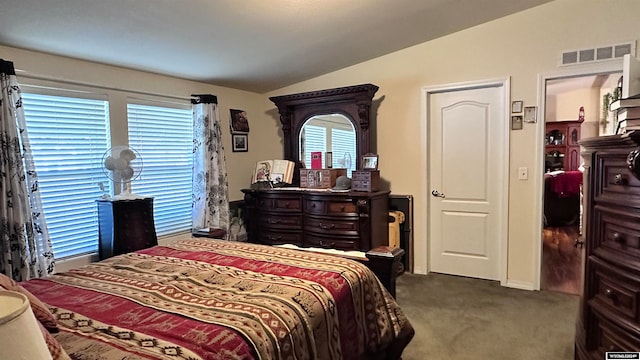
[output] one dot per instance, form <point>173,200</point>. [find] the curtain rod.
<point>27,74</point>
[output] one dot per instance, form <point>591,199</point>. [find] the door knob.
<point>436,193</point>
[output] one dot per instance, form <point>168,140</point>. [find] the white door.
<point>467,181</point>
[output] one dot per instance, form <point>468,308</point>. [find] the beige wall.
<point>263,136</point>
<point>521,46</point>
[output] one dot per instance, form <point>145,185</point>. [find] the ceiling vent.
<point>602,53</point>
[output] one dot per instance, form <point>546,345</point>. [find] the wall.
<point>521,46</point>
<point>263,134</point>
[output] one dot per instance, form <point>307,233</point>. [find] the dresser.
<point>125,226</point>
<point>562,150</point>
<point>337,220</point>
<point>609,316</point>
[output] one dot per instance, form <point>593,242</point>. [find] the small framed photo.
<point>369,162</point>
<point>240,142</point>
<point>516,106</point>
<point>516,122</point>
<point>530,114</point>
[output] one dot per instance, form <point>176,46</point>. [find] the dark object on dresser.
<point>365,180</point>
<point>125,226</point>
<point>609,318</point>
<point>325,219</point>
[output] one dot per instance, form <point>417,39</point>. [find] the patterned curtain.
<point>25,246</point>
<point>210,208</point>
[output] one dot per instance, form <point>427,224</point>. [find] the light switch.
<point>523,173</point>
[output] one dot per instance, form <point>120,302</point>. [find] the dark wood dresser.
<point>609,317</point>
<point>337,220</point>
<point>125,226</point>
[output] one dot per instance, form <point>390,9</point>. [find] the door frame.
<point>503,203</point>
<point>538,172</point>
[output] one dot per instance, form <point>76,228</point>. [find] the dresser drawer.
<point>608,336</point>
<point>615,289</point>
<point>280,237</point>
<point>330,207</point>
<point>616,232</point>
<point>332,225</point>
<point>617,182</point>
<point>330,242</point>
<point>280,203</point>
<point>281,221</point>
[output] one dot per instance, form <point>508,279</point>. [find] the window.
<point>315,139</point>
<point>69,136</point>
<point>164,138</point>
<point>342,143</point>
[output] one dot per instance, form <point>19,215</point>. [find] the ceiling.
<point>255,45</point>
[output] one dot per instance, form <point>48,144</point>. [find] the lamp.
<point>20,335</point>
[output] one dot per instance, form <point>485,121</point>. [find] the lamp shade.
<point>20,334</point>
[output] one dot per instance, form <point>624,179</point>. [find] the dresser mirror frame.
<point>353,102</point>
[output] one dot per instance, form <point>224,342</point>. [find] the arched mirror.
<point>333,133</point>
<point>335,120</point>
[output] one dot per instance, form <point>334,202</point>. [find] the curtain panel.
<point>210,208</point>
<point>25,246</point>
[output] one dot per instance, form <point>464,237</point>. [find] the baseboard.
<point>522,285</point>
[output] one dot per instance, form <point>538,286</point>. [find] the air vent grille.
<point>601,53</point>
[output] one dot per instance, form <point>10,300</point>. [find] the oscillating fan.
<point>122,164</point>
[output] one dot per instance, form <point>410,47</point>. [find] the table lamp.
<point>20,335</point>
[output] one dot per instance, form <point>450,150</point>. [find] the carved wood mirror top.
<point>351,102</point>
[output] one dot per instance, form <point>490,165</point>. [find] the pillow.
<point>55,349</point>
<point>40,310</point>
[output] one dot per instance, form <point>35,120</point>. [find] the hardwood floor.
<point>561,260</point>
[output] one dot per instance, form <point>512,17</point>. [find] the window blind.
<point>68,138</point>
<point>343,142</point>
<point>164,138</point>
<point>315,139</point>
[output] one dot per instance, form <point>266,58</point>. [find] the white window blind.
<point>68,138</point>
<point>315,139</point>
<point>343,142</point>
<point>164,138</point>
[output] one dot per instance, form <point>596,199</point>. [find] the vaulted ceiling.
<point>255,45</point>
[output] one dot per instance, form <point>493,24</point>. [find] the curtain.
<point>210,208</point>
<point>25,246</point>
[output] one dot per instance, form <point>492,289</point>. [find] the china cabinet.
<point>562,150</point>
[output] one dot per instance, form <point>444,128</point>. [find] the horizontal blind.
<point>164,138</point>
<point>343,142</point>
<point>68,138</point>
<point>315,139</point>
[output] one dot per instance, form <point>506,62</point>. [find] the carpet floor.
<point>462,318</point>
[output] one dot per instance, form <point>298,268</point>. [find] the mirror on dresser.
<point>336,111</point>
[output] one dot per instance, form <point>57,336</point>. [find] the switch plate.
<point>523,173</point>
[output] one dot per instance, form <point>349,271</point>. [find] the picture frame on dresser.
<point>369,161</point>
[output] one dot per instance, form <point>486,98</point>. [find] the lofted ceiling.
<point>254,45</point>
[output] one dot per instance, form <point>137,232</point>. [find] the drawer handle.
<point>608,293</point>
<point>616,237</point>
<point>327,227</point>
<point>271,221</point>
<point>272,238</point>
<point>619,179</point>
<point>286,204</point>
<point>313,205</point>
<point>327,244</point>
<point>342,208</point>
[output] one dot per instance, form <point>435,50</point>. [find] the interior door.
<point>466,158</point>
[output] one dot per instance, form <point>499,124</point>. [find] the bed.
<point>212,299</point>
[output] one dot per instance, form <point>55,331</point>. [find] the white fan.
<point>122,164</point>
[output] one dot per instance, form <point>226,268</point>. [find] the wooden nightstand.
<point>125,226</point>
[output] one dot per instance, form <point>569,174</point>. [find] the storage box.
<point>320,178</point>
<point>365,180</point>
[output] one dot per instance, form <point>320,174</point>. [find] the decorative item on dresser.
<point>125,226</point>
<point>609,318</point>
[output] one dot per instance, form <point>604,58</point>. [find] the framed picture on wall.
<point>516,122</point>
<point>240,142</point>
<point>530,114</point>
<point>516,106</point>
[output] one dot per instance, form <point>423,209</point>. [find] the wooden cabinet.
<point>337,220</point>
<point>609,317</point>
<point>125,226</point>
<point>562,150</point>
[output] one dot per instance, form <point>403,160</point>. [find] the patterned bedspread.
<point>212,299</point>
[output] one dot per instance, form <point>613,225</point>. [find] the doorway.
<point>573,110</point>
<point>467,165</point>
